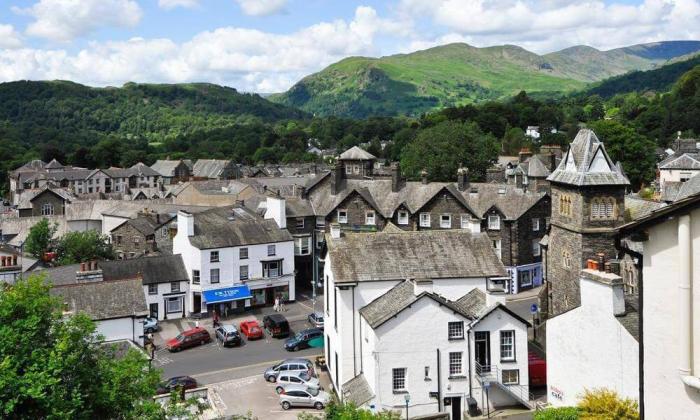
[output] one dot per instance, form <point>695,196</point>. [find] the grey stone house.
<point>147,234</point>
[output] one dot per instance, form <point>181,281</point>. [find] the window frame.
<point>271,250</point>
<point>448,220</point>
<point>196,277</point>
<point>240,272</point>
<point>266,269</point>
<point>243,253</point>
<point>370,218</point>
<point>497,224</point>
<point>521,276</point>
<point>214,256</point>
<point>424,219</point>
<point>454,364</point>
<point>153,289</point>
<point>536,248</point>
<point>464,221</point>
<point>459,330</point>
<point>168,307</point>
<point>211,276</point>
<point>398,377</point>
<point>498,249</point>
<point>300,223</point>
<point>174,287</point>
<point>47,209</point>
<point>402,218</point>
<point>536,224</point>
<point>501,335</point>
<point>517,376</point>
<point>342,216</point>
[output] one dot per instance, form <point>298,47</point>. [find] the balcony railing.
<point>492,375</point>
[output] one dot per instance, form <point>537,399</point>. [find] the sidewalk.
<point>527,294</point>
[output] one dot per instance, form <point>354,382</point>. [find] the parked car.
<point>302,338</point>
<point>289,366</point>
<point>189,338</point>
<point>150,325</point>
<point>316,319</point>
<point>300,378</point>
<point>537,369</point>
<point>176,382</point>
<point>251,329</point>
<point>228,335</point>
<point>276,325</point>
<point>300,396</point>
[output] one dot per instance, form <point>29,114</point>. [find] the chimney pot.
<point>424,176</point>
<point>82,266</point>
<point>395,177</point>
<point>462,178</point>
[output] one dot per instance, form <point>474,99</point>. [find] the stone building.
<point>149,233</point>
<point>173,171</point>
<point>44,202</point>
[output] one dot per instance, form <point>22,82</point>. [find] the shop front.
<point>265,291</point>
<point>227,300</point>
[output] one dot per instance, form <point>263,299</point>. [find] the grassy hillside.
<point>457,74</point>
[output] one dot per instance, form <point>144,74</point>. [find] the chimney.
<point>610,297</point>
<point>524,154</point>
<point>336,177</point>
<point>462,179</point>
<point>424,176</point>
<point>395,177</point>
<point>89,272</point>
<point>276,210</point>
<point>335,231</point>
<point>185,223</point>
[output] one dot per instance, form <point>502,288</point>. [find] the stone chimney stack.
<point>524,154</point>
<point>395,177</point>
<point>424,177</point>
<point>462,179</point>
<point>336,177</point>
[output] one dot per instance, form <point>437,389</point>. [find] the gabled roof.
<point>104,299</point>
<point>54,164</point>
<point>587,163</point>
<point>167,167</point>
<point>357,390</point>
<point>473,303</point>
<point>147,225</point>
<point>355,153</point>
<point>224,227</point>
<point>533,167</point>
<point>151,270</point>
<point>209,168</point>
<point>27,197</point>
<point>683,161</point>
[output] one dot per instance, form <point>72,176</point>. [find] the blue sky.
<point>267,45</point>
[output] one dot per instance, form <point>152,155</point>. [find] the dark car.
<point>302,338</point>
<point>228,335</point>
<point>276,325</point>
<point>189,338</point>
<point>176,382</point>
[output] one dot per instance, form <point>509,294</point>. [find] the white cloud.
<point>9,38</point>
<point>261,7</point>
<point>171,4</point>
<point>65,20</point>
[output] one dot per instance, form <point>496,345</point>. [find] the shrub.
<point>607,404</point>
<point>560,413</point>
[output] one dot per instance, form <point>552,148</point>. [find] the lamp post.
<point>407,397</point>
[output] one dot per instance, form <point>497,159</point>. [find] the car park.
<point>251,329</point>
<point>228,335</point>
<point>296,378</point>
<point>276,325</point>
<point>316,319</point>
<point>289,366</point>
<point>175,383</point>
<point>190,338</point>
<point>302,339</point>
<point>300,396</point>
<point>150,325</point>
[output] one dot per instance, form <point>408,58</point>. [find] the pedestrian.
<point>277,304</point>
<point>216,319</point>
<point>196,324</point>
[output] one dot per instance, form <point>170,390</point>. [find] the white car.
<point>297,378</point>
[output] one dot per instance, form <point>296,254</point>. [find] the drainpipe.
<point>685,304</point>
<point>469,356</point>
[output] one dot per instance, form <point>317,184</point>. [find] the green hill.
<point>457,74</point>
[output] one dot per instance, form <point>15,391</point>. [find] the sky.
<point>267,45</point>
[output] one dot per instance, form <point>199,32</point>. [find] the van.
<point>276,325</point>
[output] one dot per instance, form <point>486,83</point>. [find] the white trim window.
<point>425,220</point>
<point>403,217</point>
<point>535,224</point>
<point>348,170</point>
<point>464,221</point>
<point>243,253</point>
<point>300,223</point>
<point>510,376</point>
<point>302,246</point>
<point>507,345</point>
<point>342,216</point>
<point>174,305</point>
<point>370,217</point>
<point>271,250</point>
<point>214,275</point>
<point>243,272</point>
<point>174,286</point>
<point>272,268</point>
<point>195,276</point>
<point>455,363</point>
<point>445,221</point>
<point>214,256</point>
<point>497,247</point>
<point>153,289</point>
<point>536,248</point>
<point>455,330</point>
<point>494,222</point>
<point>398,379</point>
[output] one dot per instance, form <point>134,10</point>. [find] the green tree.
<point>75,247</point>
<point>39,238</point>
<point>336,410</point>
<point>442,149</point>
<point>607,404</point>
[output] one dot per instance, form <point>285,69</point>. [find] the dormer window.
<point>403,217</point>
<point>494,222</point>
<point>369,218</point>
<point>342,216</point>
<point>47,209</point>
<point>425,220</point>
<point>445,221</point>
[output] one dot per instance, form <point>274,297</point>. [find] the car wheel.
<point>202,342</point>
<point>271,379</point>
<point>279,389</point>
<point>286,405</point>
<point>318,406</point>
<point>296,348</point>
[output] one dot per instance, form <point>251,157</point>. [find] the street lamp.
<point>407,397</point>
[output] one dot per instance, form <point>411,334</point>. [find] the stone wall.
<point>525,235</point>
<point>442,203</point>
<point>126,239</point>
<point>39,201</point>
<point>357,208</point>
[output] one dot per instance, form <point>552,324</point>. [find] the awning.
<point>227,294</point>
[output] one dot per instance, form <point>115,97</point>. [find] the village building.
<point>45,201</point>
<point>681,165</point>
<point>215,169</point>
<point>173,171</point>
<point>149,233</point>
<point>215,193</point>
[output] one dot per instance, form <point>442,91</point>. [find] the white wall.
<point>110,222</point>
<point>588,348</point>
<point>159,298</point>
<point>674,175</point>
<point>127,328</point>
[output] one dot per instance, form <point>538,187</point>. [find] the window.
<point>348,169</point>
<point>398,379</point>
<point>214,275</point>
<point>243,254</point>
<point>510,376</point>
<point>464,221</point>
<point>566,258</point>
<point>685,176</point>
<point>174,305</point>
<point>536,247</point>
<point>425,220</point>
<point>174,286</point>
<point>195,276</point>
<point>497,246</point>
<point>565,205</point>
<point>214,256</point>
<point>243,270</point>
<point>445,221</point>
<point>118,239</point>
<point>507,345</point>
<point>152,289</point>
<point>369,218</point>
<point>455,330</point>
<point>47,209</point>
<point>272,269</point>
<point>455,363</point>
<point>535,224</point>
<point>525,278</point>
<point>427,373</point>
<point>300,223</point>
<point>494,222</point>
<point>403,217</point>
<point>320,223</point>
<point>356,169</point>
<point>342,216</point>
<point>164,232</point>
<point>271,250</point>
<point>302,246</point>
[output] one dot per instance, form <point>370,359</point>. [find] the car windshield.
<point>299,335</point>
<point>305,376</point>
<point>312,391</point>
<point>180,337</point>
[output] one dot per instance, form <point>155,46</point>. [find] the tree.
<point>56,367</point>
<point>442,149</point>
<point>39,238</point>
<point>75,247</point>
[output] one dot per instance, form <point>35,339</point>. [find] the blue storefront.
<point>524,277</point>
<point>227,300</point>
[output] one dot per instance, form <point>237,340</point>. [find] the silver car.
<point>301,378</point>
<point>296,365</point>
<point>300,396</point>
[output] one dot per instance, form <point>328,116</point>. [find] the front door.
<point>197,303</point>
<point>482,350</point>
<point>153,309</point>
<point>456,408</point>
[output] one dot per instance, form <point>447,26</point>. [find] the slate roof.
<point>671,189</point>
<point>357,390</point>
<point>683,161</point>
<point>209,168</point>
<point>533,167</point>
<point>27,197</point>
<point>147,225</point>
<point>355,153</point>
<point>413,255</point>
<point>215,229</point>
<point>687,188</point>
<point>54,164</point>
<point>104,299</point>
<point>630,319</point>
<point>473,303</point>
<point>157,269</point>
<point>576,168</point>
<point>638,207</point>
<point>510,200</point>
<point>166,167</point>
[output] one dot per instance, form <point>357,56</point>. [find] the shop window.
<point>174,305</point>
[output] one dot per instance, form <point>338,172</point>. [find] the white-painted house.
<point>236,259</point>
<point>419,314</point>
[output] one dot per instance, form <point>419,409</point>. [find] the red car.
<point>189,338</point>
<point>537,369</point>
<point>251,329</point>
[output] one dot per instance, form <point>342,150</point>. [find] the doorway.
<point>196,302</point>
<point>482,350</point>
<point>153,310</point>
<point>456,403</point>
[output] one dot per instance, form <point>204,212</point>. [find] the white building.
<point>418,314</point>
<point>533,131</point>
<point>594,345</point>
<point>236,259</point>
